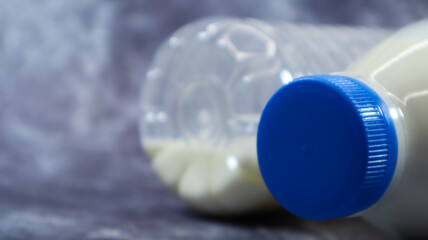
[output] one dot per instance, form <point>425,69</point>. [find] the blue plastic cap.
<point>327,147</point>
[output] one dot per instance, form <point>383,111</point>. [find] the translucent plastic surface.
<point>204,93</point>
<point>397,69</point>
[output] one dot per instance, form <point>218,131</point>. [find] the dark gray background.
<point>70,161</point>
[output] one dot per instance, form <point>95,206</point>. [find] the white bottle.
<point>355,143</point>
<point>204,94</point>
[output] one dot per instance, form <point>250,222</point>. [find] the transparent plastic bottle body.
<point>205,91</point>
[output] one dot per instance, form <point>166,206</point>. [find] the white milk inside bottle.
<point>204,93</point>
<point>355,143</point>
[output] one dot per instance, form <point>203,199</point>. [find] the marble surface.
<point>70,162</point>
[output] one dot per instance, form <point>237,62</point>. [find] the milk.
<point>399,66</point>
<point>219,181</point>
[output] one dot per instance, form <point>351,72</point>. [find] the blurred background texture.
<point>71,165</point>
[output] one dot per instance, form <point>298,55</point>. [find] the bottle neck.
<point>398,118</point>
